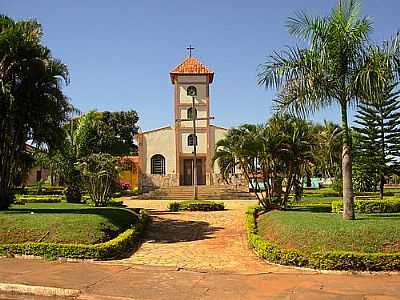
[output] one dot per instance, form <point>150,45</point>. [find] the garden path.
<point>212,241</point>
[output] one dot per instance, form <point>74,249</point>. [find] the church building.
<point>166,154</point>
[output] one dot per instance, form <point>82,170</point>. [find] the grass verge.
<point>333,259</point>
<point>63,223</point>
<point>116,247</point>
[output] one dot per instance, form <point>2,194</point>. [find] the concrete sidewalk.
<point>105,281</point>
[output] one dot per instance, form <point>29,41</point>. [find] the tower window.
<point>158,165</point>
<point>191,91</point>
<point>192,140</point>
<point>190,113</point>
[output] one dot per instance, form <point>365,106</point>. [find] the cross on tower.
<point>190,48</point>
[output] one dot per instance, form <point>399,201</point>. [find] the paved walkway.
<point>212,241</point>
<point>94,281</point>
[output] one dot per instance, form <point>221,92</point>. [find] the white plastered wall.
<point>161,141</point>
<point>201,113</point>
<point>201,143</point>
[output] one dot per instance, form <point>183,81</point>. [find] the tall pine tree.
<point>378,146</point>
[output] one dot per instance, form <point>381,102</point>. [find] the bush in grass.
<point>196,205</point>
<point>370,206</point>
<point>126,193</point>
<point>116,203</point>
<point>73,193</point>
<point>337,185</point>
<point>99,172</point>
<point>330,260</point>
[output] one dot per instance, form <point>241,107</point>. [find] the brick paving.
<point>212,241</point>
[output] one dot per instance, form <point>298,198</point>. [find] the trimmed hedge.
<point>194,205</point>
<point>370,206</point>
<point>330,260</point>
<point>22,199</point>
<point>46,190</point>
<point>126,193</point>
<point>110,249</point>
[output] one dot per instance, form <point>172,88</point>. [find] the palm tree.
<point>332,70</point>
<point>328,151</point>
<point>266,154</point>
<point>32,104</point>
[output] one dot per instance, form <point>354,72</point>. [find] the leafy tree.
<point>93,132</point>
<point>115,132</point>
<point>379,137</point>
<point>334,69</point>
<point>32,104</point>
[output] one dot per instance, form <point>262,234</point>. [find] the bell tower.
<point>191,80</point>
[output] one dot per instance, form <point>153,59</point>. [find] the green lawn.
<point>62,223</point>
<point>311,232</point>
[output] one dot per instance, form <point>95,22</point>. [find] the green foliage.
<point>115,202</point>
<point>378,140</point>
<point>266,249</point>
<point>328,152</point>
<point>99,172</point>
<point>32,104</point>
<point>126,193</point>
<point>22,199</point>
<point>196,205</point>
<point>328,260</point>
<point>280,149</point>
<point>337,185</point>
<point>73,193</point>
<point>116,247</point>
<point>370,206</point>
<point>104,132</point>
<point>45,190</point>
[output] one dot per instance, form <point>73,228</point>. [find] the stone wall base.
<point>152,182</point>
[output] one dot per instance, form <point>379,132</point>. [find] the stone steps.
<point>203,192</point>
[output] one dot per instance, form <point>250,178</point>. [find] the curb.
<point>38,290</point>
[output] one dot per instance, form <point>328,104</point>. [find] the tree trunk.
<point>381,185</point>
<point>348,203</point>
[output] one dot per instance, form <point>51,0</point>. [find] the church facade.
<point>166,154</point>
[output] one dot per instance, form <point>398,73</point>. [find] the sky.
<point>120,53</point>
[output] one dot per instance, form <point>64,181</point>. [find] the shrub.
<point>99,172</point>
<point>73,193</point>
<point>337,185</point>
<point>125,193</point>
<point>196,205</point>
<point>330,260</point>
<point>116,203</point>
<point>116,247</point>
<point>370,206</point>
<point>22,199</point>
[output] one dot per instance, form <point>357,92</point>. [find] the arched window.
<point>192,139</point>
<point>158,165</point>
<point>191,91</point>
<point>190,113</point>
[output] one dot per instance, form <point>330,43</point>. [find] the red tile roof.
<point>191,66</point>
